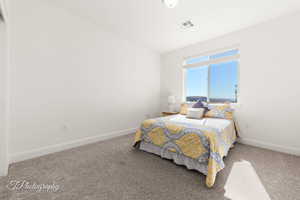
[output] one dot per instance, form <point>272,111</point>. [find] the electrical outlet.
<point>64,128</point>
<point>148,116</point>
<point>246,126</point>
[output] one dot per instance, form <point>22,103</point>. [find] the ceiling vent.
<point>187,24</point>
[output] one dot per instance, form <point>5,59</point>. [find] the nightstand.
<point>169,113</point>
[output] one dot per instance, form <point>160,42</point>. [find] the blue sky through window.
<point>197,81</point>
<point>224,54</point>
<point>197,60</point>
<point>223,78</point>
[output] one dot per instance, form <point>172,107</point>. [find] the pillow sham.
<point>195,113</point>
<point>220,111</point>
<point>183,109</point>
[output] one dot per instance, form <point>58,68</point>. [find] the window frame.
<point>209,63</point>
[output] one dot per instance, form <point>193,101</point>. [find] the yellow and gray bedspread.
<point>202,144</point>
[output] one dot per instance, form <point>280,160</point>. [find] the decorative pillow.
<point>195,113</point>
<point>200,104</point>
<point>220,111</point>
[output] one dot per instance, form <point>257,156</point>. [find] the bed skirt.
<point>179,159</point>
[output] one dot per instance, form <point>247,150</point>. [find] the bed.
<point>199,144</point>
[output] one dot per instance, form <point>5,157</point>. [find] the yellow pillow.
<point>183,109</point>
<point>220,111</point>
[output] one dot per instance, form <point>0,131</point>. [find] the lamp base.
<point>171,108</point>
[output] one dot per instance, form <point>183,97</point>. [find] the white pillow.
<point>195,113</point>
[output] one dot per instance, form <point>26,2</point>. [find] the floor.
<point>112,170</point>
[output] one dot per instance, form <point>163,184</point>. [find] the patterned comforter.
<point>203,143</point>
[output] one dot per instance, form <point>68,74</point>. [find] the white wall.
<point>3,100</point>
<point>269,81</point>
<point>71,80</point>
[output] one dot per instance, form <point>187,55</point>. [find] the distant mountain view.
<point>211,100</point>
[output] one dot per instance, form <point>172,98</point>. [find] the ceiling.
<point>151,24</point>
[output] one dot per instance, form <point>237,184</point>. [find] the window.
<point>212,78</point>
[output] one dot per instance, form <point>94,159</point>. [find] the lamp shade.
<point>170,3</point>
<point>171,99</point>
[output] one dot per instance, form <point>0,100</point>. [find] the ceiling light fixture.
<point>170,3</point>
<point>188,24</point>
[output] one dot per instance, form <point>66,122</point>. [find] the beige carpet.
<point>114,170</point>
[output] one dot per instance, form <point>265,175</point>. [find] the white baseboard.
<point>76,143</point>
<point>3,161</point>
<point>68,145</point>
<point>3,169</point>
<point>273,147</point>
